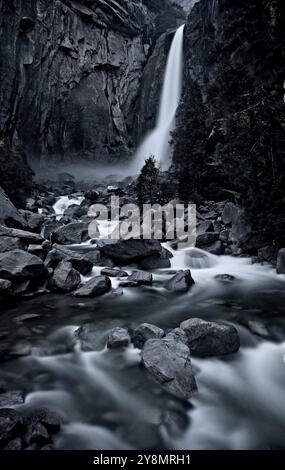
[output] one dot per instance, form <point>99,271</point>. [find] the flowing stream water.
<point>107,400</point>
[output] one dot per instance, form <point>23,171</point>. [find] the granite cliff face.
<point>71,72</point>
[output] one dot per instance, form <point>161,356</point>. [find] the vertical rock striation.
<point>70,73</point>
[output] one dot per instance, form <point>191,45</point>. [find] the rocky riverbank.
<point>39,247</point>
<point>46,249</point>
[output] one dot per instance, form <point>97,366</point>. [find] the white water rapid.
<point>157,142</point>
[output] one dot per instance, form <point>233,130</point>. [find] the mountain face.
<point>70,73</point>
<point>187,5</point>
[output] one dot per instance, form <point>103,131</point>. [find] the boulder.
<point>141,278</point>
<point>128,284</point>
<point>112,272</point>
<point>75,211</point>
<point>95,287</point>
<point>168,362</point>
<point>35,221</point>
<point>241,232</point>
<point>25,236</point>
<point>181,282</point>
<point>5,286</point>
<point>49,227</point>
<point>281,261</point>
<point>209,338</point>
<point>225,278</point>
<point>225,235</point>
<point>207,239</point>
<point>36,433</point>
<point>267,253</point>
<point>9,215</point>
<point>10,243</point>
<point>250,241</point>
<point>215,248</point>
<point>198,259</point>
<point>20,265</point>
<point>20,288</point>
<point>10,425</point>
<point>144,332</point>
<point>159,261</point>
<point>127,251</point>
<point>230,213</point>
<point>37,250</point>
<point>79,261</point>
<point>178,335</point>
<point>217,226</point>
<point>204,227</point>
<point>49,418</point>
<point>74,233</point>
<point>91,195</point>
<point>89,337</point>
<point>15,444</point>
<point>65,278</point>
<point>118,338</point>
<point>11,399</point>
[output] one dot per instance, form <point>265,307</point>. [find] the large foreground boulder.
<point>65,278</point>
<point>9,215</point>
<point>180,282</point>
<point>98,285</point>
<point>19,265</point>
<point>209,338</point>
<point>24,235</point>
<point>75,232</point>
<point>168,362</point>
<point>127,251</point>
<point>144,332</point>
<point>10,243</point>
<point>79,261</point>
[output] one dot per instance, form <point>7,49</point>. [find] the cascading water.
<point>157,142</point>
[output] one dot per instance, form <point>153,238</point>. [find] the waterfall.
<point>157,142</point>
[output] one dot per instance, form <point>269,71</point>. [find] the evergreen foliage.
<point>236,141</point>
<point>16,177</point>
<point>148,184</point>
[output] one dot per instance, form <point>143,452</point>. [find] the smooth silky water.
<point>107,400</point>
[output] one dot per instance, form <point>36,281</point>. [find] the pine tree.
<point>148,184</point>
<point>190,140</point>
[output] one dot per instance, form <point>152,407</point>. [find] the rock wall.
<point>70,74</point>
